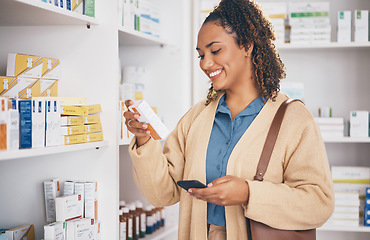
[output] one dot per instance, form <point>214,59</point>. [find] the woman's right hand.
<point>140,130</point>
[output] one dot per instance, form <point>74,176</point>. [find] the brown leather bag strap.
<point>271,139</point>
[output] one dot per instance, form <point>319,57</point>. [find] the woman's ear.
<point>248,50</point>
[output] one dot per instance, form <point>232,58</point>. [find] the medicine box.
<point>53,123</point>
<point>80,229</point>
<point>344,30</point>
<point>72,120</point>
<point>92,109</point>
<point>157,129</point>
<point>68,110</point>
<point>89,8</point>
<point>38,123</point>
<point>55,231</point>
<point>68,207</point>
<point>25,124</point>
<point>3,123</point>
<point>21,65</point>
<point>50,68</point>
<point>23,88</point>
<point>94,137</point>
<point>91,119</point>
<point>48,88</point>
<point>359,124</point>
<point>12,134</point>
<point>93,128</point>
<point>73,139</point>
<point>26,232</point>
<point>361,25</point>
<point>91,202</point>
<point>78,6</point>
<point>73,130</point>
<point>69,188</point>
<point>79,189</point>
<point>6,83</point>
<point>51,191</point>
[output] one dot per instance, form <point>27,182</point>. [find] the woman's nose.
<point>207,63</point>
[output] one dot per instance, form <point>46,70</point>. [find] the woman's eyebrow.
<point>208,45</point>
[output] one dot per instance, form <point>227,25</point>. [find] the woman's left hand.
<point>227,190</point>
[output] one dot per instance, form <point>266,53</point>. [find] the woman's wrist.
<point>142,140</point>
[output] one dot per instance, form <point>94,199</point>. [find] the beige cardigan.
<point>296,193</point>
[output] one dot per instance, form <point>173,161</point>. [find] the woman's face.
<point>221,59</point>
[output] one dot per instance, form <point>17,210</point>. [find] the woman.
<point>219,140</point>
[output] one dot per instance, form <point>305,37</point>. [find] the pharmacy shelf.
<point>25,153</point>
<point>133,37</point>
<point>162,233</point>
<point>38,13</point>
<point>346,140</point>
<point>323,45</point>
<point>345,229</point>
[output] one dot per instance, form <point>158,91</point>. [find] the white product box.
<point>21,65</point>
<point>12,134</point>
<point>347,174</point>
<point>127,91</point>
<point>97,231</point>
<point>80,229</point>
<point>55,231</point>
<point>91,201</point>
<point>21,233</point>
<point>78,6</point>
<point>361,25</point>
<point>51,192</point>
<point>158,130</point>
<point>79,189</point>
<point>275,9</point>
<point>53,123</point>
<point>38,123</point>
<point>68,207</point>
<point>359,124</point>
<point>344,30</point>
<point>69,188</point>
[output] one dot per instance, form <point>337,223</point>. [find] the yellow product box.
<point>72,130</point>
<point>50,68</point>
<point>92,119</point>
<point>48,88</point>
<point>21,65</point>
<point>96,108</point>
<point>22,88</point>
<point>6,83</point>
<point>77,6</point>
<point>68,110</point>
<point>94,137</point>
<point>72,120</point>
<point>74,139</point>
<point>69,101</point>
<point>92,128</point>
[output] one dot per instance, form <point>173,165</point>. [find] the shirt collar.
<point>253,108</point>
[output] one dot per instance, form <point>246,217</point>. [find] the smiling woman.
<point>219,141</point>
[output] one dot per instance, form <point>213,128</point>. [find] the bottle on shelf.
<point>123,224</point>
<point>135,221</point>
<point>142,219</point>
<point>149,219</point>
<point>122,204</point>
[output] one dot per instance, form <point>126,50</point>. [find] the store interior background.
<point>92,61</point>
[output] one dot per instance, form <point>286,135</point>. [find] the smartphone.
<point>186,184</point>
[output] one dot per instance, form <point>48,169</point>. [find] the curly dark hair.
<point>246,22</point>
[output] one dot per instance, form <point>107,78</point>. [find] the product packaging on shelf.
<point>344,30</point>
<point>26,231</point>
<point>158,131</point>
<point>55,231</point>
<point>38,123</point>
<point>359,124</point>
<point>68,207</point>
<point>72,120</point>
<point>50,68</point>
<point>361,25</point>
<point>21,65</point>
<point>91,200</point>
<point>23,88</point>
<point>48,88</point>
<point>53,123</point>
<point>51,192</point>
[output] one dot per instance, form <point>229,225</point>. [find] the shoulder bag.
<point>260,231</point>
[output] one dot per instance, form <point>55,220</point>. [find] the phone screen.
<point>186,184</point>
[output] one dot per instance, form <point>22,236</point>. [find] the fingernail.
<point>210,185</point>
<point>136,116</point>
<point>148,132</point>
<point>145,126</point>
<point>190,191</point>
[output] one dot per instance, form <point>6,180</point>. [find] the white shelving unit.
<point>89,50</point>
<point>37,152</point>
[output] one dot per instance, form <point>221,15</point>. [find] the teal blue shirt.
<point>224,136</point>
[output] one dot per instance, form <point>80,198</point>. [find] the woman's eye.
<point>201,56</point>
<point>215,52</point>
